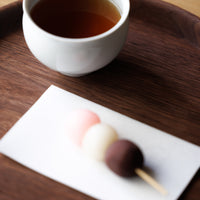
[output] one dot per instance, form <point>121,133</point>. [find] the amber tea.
<point>75,18</point>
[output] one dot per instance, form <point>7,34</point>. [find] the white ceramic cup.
<point>75,57</point>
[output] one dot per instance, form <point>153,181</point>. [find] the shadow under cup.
<point>75,56</point>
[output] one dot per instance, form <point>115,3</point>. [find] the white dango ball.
<point>97,139</point>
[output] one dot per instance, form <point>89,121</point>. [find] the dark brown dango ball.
<point>123,157</point>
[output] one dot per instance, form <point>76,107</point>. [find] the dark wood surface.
<point>155,79</point>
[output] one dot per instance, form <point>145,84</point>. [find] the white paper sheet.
<point>39,141</point>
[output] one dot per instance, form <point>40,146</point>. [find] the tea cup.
<point>75,56</point>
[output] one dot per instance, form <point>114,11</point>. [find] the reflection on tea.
<point>75,18</point>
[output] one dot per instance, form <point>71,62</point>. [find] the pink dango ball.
<point>78,122</point>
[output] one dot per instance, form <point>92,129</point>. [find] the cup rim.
<point>123,18</point>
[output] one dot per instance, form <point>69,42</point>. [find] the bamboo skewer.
<point>142,174</point>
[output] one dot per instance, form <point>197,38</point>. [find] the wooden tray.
<point>155,79</point>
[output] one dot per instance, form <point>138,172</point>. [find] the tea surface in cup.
<point>75,18</point>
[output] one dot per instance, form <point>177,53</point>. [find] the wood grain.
<point>155,79</point>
